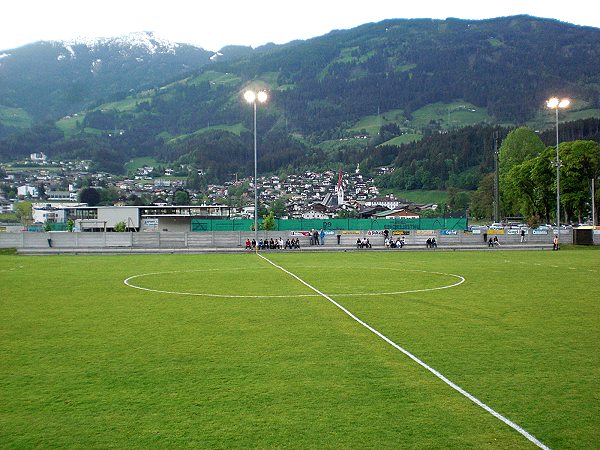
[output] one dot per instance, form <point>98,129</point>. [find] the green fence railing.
<point>441,223</point>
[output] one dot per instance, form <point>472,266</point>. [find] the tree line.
<point>528,178</point>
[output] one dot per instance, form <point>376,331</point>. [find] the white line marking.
<point>454,386</point>
<point>128,282</point>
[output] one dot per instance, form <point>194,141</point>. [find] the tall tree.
<point>90,196</point>
<point>482,200</point>
<point>580,163</point>
<point>278,207</point>
<point>181,198</point>
<point>268,221</point>
<point>23,212</point>
<point>519,146</point>
<point>543,174</point>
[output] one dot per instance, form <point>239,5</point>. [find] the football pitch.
<point>301,350</point>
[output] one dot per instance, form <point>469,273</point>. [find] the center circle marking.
<point>128,281</point>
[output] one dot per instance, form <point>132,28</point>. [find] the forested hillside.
<point>417,79</point>
<point>49,79</point>
<point>459,159</point>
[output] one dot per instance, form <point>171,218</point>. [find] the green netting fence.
<point>59,226</point>
<point>442,223</point>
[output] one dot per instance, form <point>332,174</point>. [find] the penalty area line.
<point>450,383</point>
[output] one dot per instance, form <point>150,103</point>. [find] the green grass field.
<point>234,352</point>
<point>14,117</point>
<point>371,124</point>
<point>136,163</point>
<point>456,114</point>
<point>544,119</point>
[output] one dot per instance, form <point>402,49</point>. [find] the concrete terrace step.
<point>239,249</point>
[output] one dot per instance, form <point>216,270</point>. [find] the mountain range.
<point>331,98</point>
<point>49,79</point>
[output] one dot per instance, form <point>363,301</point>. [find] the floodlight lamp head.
<point>262,96</point>
<point>552,103</point>
<point>564,103</point>
<point>250,96</point>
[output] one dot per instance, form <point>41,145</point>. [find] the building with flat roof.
<point>144,218</point>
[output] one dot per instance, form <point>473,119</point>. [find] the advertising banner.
<point>449,232</point>
<point>300,233</point>
<point>150,223</point>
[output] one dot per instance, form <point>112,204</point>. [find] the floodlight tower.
<point>555,103</point>
<point>252,97</point>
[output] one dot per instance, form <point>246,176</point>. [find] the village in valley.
<point>52,186</point>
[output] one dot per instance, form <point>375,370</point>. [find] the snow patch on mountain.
<point>70,50</point>
<point>96,66</point>
<point>144,40</point>
<point>4,55</point>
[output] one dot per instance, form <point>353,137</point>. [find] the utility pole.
<point>593,201</point>
<point>496,180</point>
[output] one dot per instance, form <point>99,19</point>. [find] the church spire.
<point>339,189</point>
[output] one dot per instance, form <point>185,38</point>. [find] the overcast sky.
<point>212,25</point>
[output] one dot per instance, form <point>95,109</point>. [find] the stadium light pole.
<point>252,97</point>
<point>554,103</point>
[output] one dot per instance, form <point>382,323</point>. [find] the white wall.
<point>113,215</point>
<point>174,224</point>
